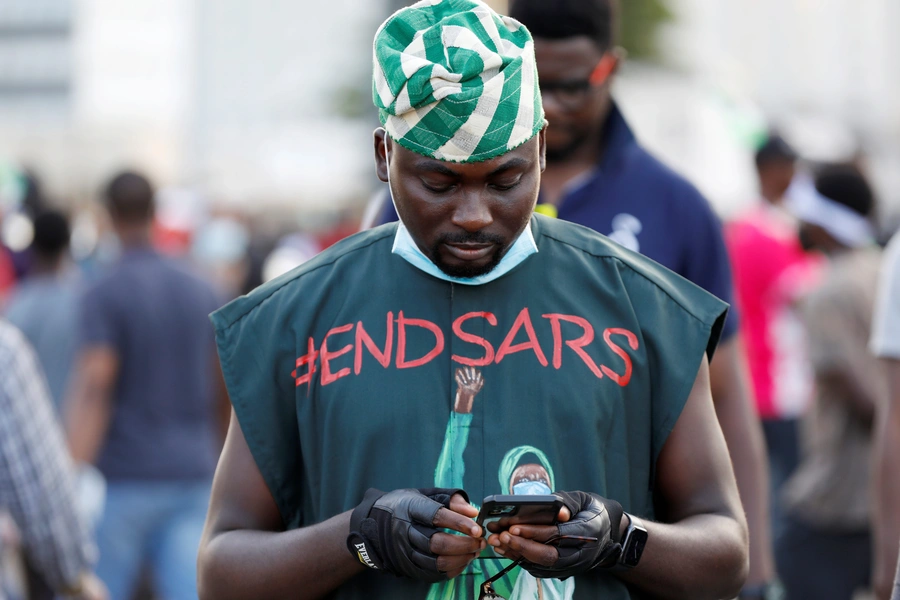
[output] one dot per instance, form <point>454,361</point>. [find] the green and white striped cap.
<point>455,81</point>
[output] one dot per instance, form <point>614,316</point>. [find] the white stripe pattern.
<point>381,85</point>
<point>413,57</point>
<point>476,118</point>
<point>454,36</point>
<point>400,125</point>
<point>525,116</point>
<point>463,143</point>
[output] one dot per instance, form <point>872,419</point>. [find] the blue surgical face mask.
<point>531,488</point>
<point>406,248</point>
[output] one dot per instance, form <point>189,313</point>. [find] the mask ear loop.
<point>387,162</point>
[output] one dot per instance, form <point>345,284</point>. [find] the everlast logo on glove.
<point>392,531</point>
<point>363,555</point>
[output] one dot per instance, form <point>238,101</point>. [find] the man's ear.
<point>542,147</point>
<point>381,163</point>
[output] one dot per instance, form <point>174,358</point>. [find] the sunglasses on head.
<point>572,94</point>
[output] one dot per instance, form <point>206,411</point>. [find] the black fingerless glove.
<point>392,531</point>
<point>592,517</point>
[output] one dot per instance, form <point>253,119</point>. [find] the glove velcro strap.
<point>615,512</point>
<point>358,545</point>
<point>364,508</point>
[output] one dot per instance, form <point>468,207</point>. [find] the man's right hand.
<point>397,532</point>
<point>587,536</point>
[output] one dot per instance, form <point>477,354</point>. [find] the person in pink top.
<point>771,270</point>
<point>7,273</point>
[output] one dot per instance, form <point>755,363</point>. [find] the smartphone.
<point>524,510</point>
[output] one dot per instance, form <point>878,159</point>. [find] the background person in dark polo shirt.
<point>143,404</point>
<point>599,176</point>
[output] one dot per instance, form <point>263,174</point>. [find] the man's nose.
<point>472,212</point>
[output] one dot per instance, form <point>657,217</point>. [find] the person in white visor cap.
<point>834,210</point>
<point>824,551</point>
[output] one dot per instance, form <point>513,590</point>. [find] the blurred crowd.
<point>113,409</point>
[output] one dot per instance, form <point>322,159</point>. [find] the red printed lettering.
<point>307,359</point>
<point>327,375</point>
<point>362,338</point>
<point>623,379</point>
<point>474,339</point>
<point>507,347</point>
<point>577,345</point>
<point>384,354</point>
<point>402,324</point>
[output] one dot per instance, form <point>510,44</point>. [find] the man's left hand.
<point>587,540</point>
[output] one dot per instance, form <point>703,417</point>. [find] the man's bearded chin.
<point>465,270</point>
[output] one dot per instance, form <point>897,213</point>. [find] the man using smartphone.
<point>341,373</point>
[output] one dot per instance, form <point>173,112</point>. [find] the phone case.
<point>525,510</point>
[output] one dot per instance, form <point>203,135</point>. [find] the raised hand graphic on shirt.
<point>470,383</point>
<point>450,472</point>
<point>450,468</point>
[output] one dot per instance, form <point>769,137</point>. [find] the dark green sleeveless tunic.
<point>342,375</point>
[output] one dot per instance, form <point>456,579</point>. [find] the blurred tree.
<point>641,20</point>
<point>352,100</point>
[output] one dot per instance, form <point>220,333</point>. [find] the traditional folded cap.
<point>455,81</point>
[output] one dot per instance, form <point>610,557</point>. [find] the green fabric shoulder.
<point>678,320</point>
<point>239,307</point>
<point>257,340</point>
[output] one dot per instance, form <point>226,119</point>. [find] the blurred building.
<point>256,103</point>
<point>824,72</point>
<point>267,103</point>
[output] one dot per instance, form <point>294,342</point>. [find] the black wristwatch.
<point>633,543</point>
